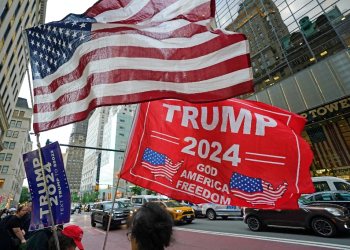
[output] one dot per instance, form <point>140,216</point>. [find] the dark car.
<point>341,198</point>
<point>324,219</point>
<point>102,210</point>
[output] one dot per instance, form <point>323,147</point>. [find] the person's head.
<point>29,209</point>
<point>151,227</point>
<point>22,210</point>
<point>69,238</point>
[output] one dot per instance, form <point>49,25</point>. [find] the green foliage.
<point>24,195</point>
<point>136,190</point>
<point>74,198</point>
<point>89,197</point>
<point>150,192</point>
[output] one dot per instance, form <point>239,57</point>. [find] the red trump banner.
<point>232,152</point>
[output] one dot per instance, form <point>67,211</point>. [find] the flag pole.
<point>54,229</point>
<point>116,190</point>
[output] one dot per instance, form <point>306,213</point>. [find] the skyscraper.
<point>16,142</point>
<point>14,14</point>
<point>94,138</point>
<point>303,67</point>
<point>116,134</point>
<point>74,157</point>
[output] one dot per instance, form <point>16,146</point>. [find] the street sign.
<point>232,152</point>
<point>57,185</point>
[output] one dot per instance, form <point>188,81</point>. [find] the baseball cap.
<point>76,233</point>
<point>12,209</point>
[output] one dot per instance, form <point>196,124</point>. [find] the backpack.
<point>5,220</point>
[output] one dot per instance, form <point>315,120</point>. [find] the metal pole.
<point>330,22</point>
<point>106,149</point>
<point>54,229</point>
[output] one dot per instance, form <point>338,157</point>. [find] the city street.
<point>218,234</point>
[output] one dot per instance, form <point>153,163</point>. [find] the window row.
<point>9,145</point>
<point>16,124</point>
<point>13,134</point>
<point>7,158</point>
<point>18,113</point>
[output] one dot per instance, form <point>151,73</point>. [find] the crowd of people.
<point>15,234</point>
<point>151,227</point>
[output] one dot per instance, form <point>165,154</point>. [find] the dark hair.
<point>19,209</point>
<point>152,227</point>
<point>64,241</point>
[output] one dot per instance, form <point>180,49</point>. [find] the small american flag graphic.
<point>159,164</point>
<point>255,190</point>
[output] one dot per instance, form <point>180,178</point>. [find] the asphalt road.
<point>218,234</point>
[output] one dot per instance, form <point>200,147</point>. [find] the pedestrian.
<point>151,227</point>
<point>4,213</point>
<point>14,226</point>
<point>26,222</point>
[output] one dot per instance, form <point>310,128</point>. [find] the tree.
<point>74,198</point>
<point>136,190</point>
<point>24,195</point>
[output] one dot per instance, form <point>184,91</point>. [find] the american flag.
<point>123,51</point>
<point>255,190</point>
<point>329,146</point>
<point>159,164</point>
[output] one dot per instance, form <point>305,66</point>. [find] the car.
<point>330,183</point>
<point>139,200</point>
<point>87,207</point>
<point>212,210</point>
<point>128,204</point>
<point>196,207</point>
<point>103,210</point>
<point>341,198</point>
<point>179,213</point>
<point>324,219</point>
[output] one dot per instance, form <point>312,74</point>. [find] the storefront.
<point>328,134</point>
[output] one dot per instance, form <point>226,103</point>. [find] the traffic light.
<point>96,187</point>
<point>108,187</point>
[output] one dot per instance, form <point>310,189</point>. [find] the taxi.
<point>180,213</point>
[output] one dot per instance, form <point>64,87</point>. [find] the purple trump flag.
<point>57,186</point>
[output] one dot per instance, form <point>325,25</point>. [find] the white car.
<point>213,210</point>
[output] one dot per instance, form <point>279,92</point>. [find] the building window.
<point>122,120</point>
<point>12,123</point>
<point>9,133</point>
<point>261,35</point>
<point>262,67</point>
<point>4,169</point>
<point>258,28</point>
<point>6,144</point>
<point>2,156</point>
<point>259,59</point>
<point>253,64</point>
<point>121,134</point>
<point>12,145</point>
<point>268,63</point>
<point>2,182</point>
<point>21,114</point>
<point>8,157</point>
<point>15,134</point>
<point>18,124</point>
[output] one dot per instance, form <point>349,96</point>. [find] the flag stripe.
<point>341,142</point>
<point>104,51</point>
<point>165,33</point>
<point>220,94</point>
<point>51,102</point>
<point>102,6</point>
<point>336,159</point>
<point>167,168</point>
<point>130,87</point>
